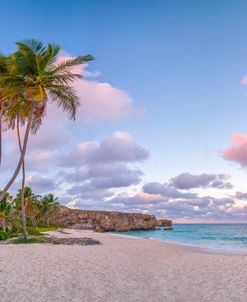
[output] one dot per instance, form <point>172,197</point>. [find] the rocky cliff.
<point>103,221</point>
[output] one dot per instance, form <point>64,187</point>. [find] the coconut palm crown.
<point>35,75</point>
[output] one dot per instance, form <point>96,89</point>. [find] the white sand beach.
<point>122,269</point>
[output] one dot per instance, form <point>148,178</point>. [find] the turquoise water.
<point>229,238</point>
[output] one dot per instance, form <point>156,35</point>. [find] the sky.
<point>162,127</point>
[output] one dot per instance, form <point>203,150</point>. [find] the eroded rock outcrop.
<point>169,228</point>
<point>163,222</point>
<point>103,221</point>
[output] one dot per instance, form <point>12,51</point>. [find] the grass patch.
<point>22,240</point>
<point>35,235</point>
<point>55,241</point>
<point>47,229</point>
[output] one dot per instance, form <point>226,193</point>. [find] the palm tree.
<point>48,206</point>
<point>31,204</point>
<point>34,77</point>
<point>11,119</point>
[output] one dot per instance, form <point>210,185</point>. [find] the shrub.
<point>33,231</point>
<point>3,235</point>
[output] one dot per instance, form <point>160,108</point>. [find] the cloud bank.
<point>189,181</point>
<point>98,174</point>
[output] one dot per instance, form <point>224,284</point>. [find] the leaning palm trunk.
<point>23,210</point>
<point>1,130</point>
<point>0,138</point>
<point>19,165</point>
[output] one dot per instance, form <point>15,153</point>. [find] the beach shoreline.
<point>120,269</point>
<point>195,248</point>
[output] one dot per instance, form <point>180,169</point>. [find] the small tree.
<point>31,205</point>
<point>5,210</point>
<point>48,207</point>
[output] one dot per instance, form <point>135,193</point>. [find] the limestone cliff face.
<point>163,222</point>
<point>103,221</point>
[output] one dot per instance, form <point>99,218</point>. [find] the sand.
<point>122,269</point>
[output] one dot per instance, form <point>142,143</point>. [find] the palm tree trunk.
<point>1,130</point>
<point>17,170</point>
<point>0,138</point>
<point>23,210</point>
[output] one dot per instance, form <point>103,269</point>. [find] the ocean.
<point>226,238</point>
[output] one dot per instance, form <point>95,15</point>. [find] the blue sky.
<point>182,61</point>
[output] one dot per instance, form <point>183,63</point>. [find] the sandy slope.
<point>120,270</point>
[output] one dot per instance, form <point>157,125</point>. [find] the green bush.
<point>3,235</point>
<point>33,231</point>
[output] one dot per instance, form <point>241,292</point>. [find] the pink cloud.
<point>238,152</point>
<point>101,100</point>
<point>151,198</point>
<point>244,80</point>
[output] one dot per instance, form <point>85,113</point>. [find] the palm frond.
<point>61,79</point>
<point>66,98</point>
<point>50,55</point>
<point>68,63</point>
<point>36,46</point>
